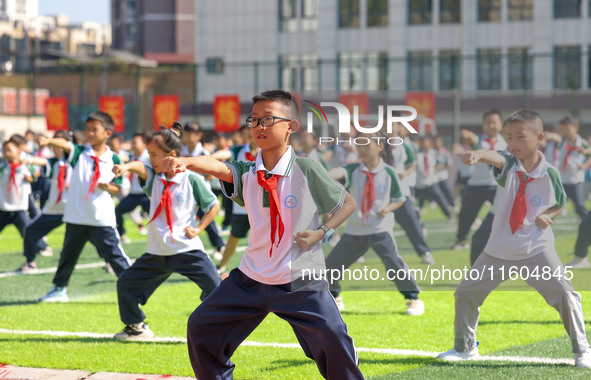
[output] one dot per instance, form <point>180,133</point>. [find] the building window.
<point>567,8</point>
<point>377,12</point>
<point>520,69</point>
<point>289,18</point>
<point>488,63</point>
<point>450,73</point>
<point>450,11</point>
<point>349,13</point>
<point>309,77</point>
<point>309,15</point>
<point>419,71</point>
<point>289,71</point>
<point>521,10</point>
<point>377,71</point>
<point>567,67</point>
<point>489,10</point>
<point>214,65</point>
<point>419,12</point>
<point>350,72</point>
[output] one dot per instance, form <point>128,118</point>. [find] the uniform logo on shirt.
<point>290,202</point>
<point>180,197</point>
<point>535,200</point>
<point>381,188</point>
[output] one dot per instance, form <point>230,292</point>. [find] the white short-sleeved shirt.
<point>482,174</point>
<point>386,191</point>
<point>426,175</point>
<point>443,158</point>
<point>99,209</point>
<point>188,193</point>
<point>18,198</point>
<point>403,157</point>
<point>305,190</point>
<point>544,192</point>
<point>570,173</point>
<point>52,206</point>
<point>199,150</point>
<point>136,187</point>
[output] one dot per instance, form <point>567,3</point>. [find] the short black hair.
<point>119,137</point>
<point>493,111</point>
<point>569,120</point>
<point>102,117</point>
<point>283,97</point>
<point>67,135</point>
<point>530,117</point>
<point>192,127</point>
<point>143,136</point>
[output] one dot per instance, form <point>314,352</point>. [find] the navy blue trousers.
<point>480,237</point>
<point>473,197</point>
<point>447,192</point>
<point>137,283</point>
<point>106,241</point>
<point>36,230</point>
<point>574,192</point>
<point>18,218</point>
<point>410,222</point>
<point>433,193</point>
<point>212,232</point>
<point>350,248</point>
<point>236,307</point>
<point>128,204</point>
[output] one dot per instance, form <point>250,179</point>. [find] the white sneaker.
<point>46,252</point>
<point>454,356</point>
<point>138,331</point>
<point>56,294</point>
<point>340,303</point>
<point>583,360</point>
<point>415,307</point>
<point>125,239</point>
<point>579,262</point>
<point>219,254</point>
<point>460,244</point>
<point>427,258</point>
<point>143,230</point>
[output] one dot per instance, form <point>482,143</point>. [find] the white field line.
<point>83,266</point>
<point>384,351</point>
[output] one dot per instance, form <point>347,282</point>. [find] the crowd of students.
<point>276,187</point>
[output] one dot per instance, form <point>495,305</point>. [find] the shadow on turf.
<point>17,303</point>
<point>61,339</point>
<point>521,322</point>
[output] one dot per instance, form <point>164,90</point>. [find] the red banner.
<point>25,101</point>
<point>226,113</point>
<point>361,100</point>
<point>424,103</point>
<point>8,97</point>
<point>56,114</point>
<point>166,110</point>
<point>115,107</point>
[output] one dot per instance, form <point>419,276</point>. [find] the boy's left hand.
<point>308,238</point>
<point>543,221</point>
<point>382,213</point>
<point>192,232</point>
<point>173,165</point>
<point>103,186</point>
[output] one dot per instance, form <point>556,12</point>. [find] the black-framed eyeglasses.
<point>265,121</point>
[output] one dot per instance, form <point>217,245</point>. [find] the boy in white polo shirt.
<point>284,197</point>
<point>90,212</point>
<point>521,238</point>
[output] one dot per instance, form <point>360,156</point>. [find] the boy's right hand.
<point>173,165</point>
<point>42,141</point>
<point>470,158</point>
<point>119,170</point>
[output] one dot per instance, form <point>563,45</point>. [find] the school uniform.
<point>407,216</point>
<point>136,196</point>
<point>481,187</point>
<point>240,224</point>
<point>169,250</point>
<point>212,229</point>
<point>14,195</point>
<point>366,229</point>
<point>516,240</point>
<point>464,171</point>
<point>427,186</point>
<point>53,210</point>
<point>444,158</point>
<point>267,278</point>
<point>90,212</point>
<point>568,159</point>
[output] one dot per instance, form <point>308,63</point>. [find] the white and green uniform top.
<point>99,209</point>
<point>18,198</point>
<point>482,174</point>
<point>386,190</point>
<point>189,193</point>
<point>239,154</point>
<point>426,175</point>
<point>403,157</point>
<point>544,192</point>
<point>499,191</point>
<point>305,190</point>
<point>136,186</point>
<point>572,174</point>
<point>315,155</point>
<point>443,158</point>
<point>52,206</point>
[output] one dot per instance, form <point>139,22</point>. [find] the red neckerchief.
<point>368,195</point>
<point>96,174</point>
<point>519,210</point>
<point>166,202</point>
<point>270,185</point>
